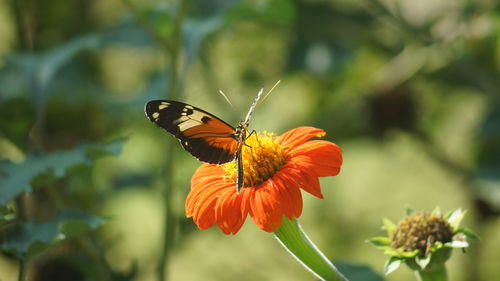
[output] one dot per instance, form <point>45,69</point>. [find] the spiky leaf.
<point>32,238</point>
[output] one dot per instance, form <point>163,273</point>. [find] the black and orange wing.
<point>206,137</point>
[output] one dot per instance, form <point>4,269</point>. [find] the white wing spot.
<point>163,105</point>
<point>188,125</point>
<point>180,120</point>
<point>186,122</point>
<point>155,115</point>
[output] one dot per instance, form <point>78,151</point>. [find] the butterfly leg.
<point>240,179</point>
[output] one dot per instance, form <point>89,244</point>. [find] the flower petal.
<point>299,135</point>
<point>206,186</point>
<point>324,156</point>
<point>286,198</point>
<point>227,212</point>
<point>203,210</point>
<point>293,190</point>
<point>303,174</point>
<point>265,209</point>
<point>206,172</point>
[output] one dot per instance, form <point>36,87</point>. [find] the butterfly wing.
<point>206,137</point>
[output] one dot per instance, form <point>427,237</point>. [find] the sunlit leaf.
<point>458,244</point>
<point>455,218</point>
<point>32,238</point>
<point>437,211</point>
<point>389,226</point>
<point>380,241</point>
<point>423,262</point>
<point>391,265</point>
<point>15,178</point>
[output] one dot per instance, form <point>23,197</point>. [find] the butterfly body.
<point>204,135</point>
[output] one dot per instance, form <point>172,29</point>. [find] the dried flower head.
<point>421,239</point>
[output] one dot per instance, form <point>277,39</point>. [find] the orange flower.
<point>276,168</point>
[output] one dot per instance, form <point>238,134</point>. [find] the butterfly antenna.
<point>269,92</point>
<point>226,98</point>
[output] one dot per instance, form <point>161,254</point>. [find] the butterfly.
<point>204,135</point>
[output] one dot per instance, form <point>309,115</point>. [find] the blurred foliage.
<point>410,90</point>
<point>30,239</point>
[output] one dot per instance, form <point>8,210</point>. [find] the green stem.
<point>437,273</point>
<point>170,224</point>
<point>22,267</point>
<point>169,217</point>
<point>293,238</point>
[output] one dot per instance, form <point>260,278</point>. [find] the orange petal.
<point>227,212</point>
<point>247,196</point>
<point>304,175</point>
<point>201,205</point>
<point>325,156</point>
<point>196,193</point>
<point>265,210</point>
<point>206,172</point>
<point>207,176</point>
<point>299,135</point>
<point>293,190</point>
<point>285,198</point>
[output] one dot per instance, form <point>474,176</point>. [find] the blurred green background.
<point>409,89</point>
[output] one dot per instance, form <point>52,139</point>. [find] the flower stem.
<point>22,267</point>
<point>170,219</point>
<point>437,273</point>
<point>293,238</point>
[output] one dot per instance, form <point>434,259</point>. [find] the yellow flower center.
<point>262,155</point>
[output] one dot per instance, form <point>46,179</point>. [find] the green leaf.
<point>457,244</point>
<point>39,68</point>
<point>32,238</point>
<point>380,241</point>
<point>270,11</point>
<point>468,233</point>
<point>195,32</point>
<point>455,218</point>
<point>423,262</point>
<point>161,18</point>
<point>391,265</point>
<point>356,272</point>
<point>436,246</point>
<point>6,215</point>
<point>110,149</point>
<point>408,210</point>
<point>15,178</point>
<point>389,226</point>
<point>437,211</point>
<point>4,211</point>
<point>400,253</point>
